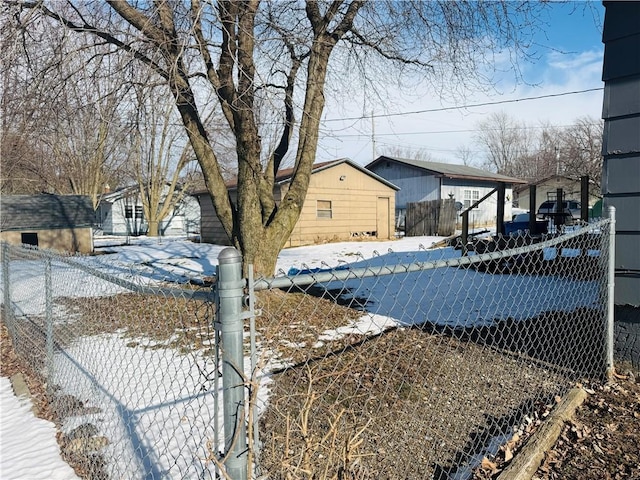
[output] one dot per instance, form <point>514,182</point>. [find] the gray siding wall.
<point>415,185</point>
<point>621,171</point>
<point>621,141</point>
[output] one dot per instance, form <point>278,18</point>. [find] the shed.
<point>344,201</point>
<point>621,152</point>
<point>57,222</point>
<point>546,189</point>
<point>421,181</point>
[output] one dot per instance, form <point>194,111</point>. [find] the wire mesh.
<point>403,365</point>
<point>422,364</point>
<point>130,367</point>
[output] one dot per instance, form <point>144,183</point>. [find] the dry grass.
<point>160,322</point>
<point>406,403</point>
<point>292,324</point>
<point>421,403</point>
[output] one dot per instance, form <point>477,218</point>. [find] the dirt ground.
<point>602,442</point>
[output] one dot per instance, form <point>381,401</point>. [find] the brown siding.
<point>354,203</point>
<point>211,230</point>
<point>77,240</point>
<point>354,206</point>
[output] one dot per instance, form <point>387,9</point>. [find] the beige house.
<point>546,190</point>
<point>344,201</point>
<point>55,222</point>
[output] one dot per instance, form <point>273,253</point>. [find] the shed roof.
<point>450,170</point>
<point>540,181</point>
<point>131,191</point>
<point>41,212</point>
<point>285,175</point>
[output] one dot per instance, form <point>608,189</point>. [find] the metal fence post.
<point>230,290</point>
<point>49,318</point>
<point>611,276</point>
<point>6,285</point>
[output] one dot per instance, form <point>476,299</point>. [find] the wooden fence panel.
<point>447,218</point>
<point>435,217</point>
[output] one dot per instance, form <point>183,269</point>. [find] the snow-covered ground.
<point>156,404</point>
<point>28,447</point>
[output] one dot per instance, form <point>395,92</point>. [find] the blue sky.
<point>575,26</point>
<point>573,35</point>
<point>570,59</point>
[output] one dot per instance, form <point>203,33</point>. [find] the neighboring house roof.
<point>41,212</point>
<point>128,191</point>
<point>450,170</point>
<point>521,188</point>
<point>284,176</point>
<point>122,192</point>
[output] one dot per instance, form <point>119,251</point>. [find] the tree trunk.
<point>153,228</point>
<point>262,254</point>
<point>260,238</point>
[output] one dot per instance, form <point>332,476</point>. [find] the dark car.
<point>570,210</point>
<point>520,226</point>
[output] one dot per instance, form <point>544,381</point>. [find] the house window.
<point>471,197</point>
<point>323,208</point>
<point>138,211</point>
<point>128,211</point>
<point>29,239</point>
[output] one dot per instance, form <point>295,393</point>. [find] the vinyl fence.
<point>411,365</point>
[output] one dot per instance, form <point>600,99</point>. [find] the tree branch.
<point>211,73</point>
<point>107,37</point>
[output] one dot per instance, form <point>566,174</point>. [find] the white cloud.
<point>565,61</point>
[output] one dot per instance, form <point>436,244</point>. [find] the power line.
<point>472,130</point>
<point>471,105</point>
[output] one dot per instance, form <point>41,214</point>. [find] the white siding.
<point>184,220</point>
<point>485,213</point>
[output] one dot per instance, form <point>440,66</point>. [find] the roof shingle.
<point>38,212</point>
<point>451,170</point>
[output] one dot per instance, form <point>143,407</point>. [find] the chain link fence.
<point>407,365</point>
<point>429,364</point>
<point>130,368</point>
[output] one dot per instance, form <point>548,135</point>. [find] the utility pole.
<point>373,136</point>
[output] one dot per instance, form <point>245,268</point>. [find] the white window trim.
<point>327,213</point>
<point>474,196</point>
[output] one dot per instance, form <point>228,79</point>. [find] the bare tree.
<point>513,150</point>
<point>406,152</point>
<point>545,161</point>
<point>581,149</point>
<point>62,116</point>
<point>466,155</point>
<point>20,151</point>
<point>160,155</point>
<point>279,55</point>
<point>87,144</point>
<point>506,143</point>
